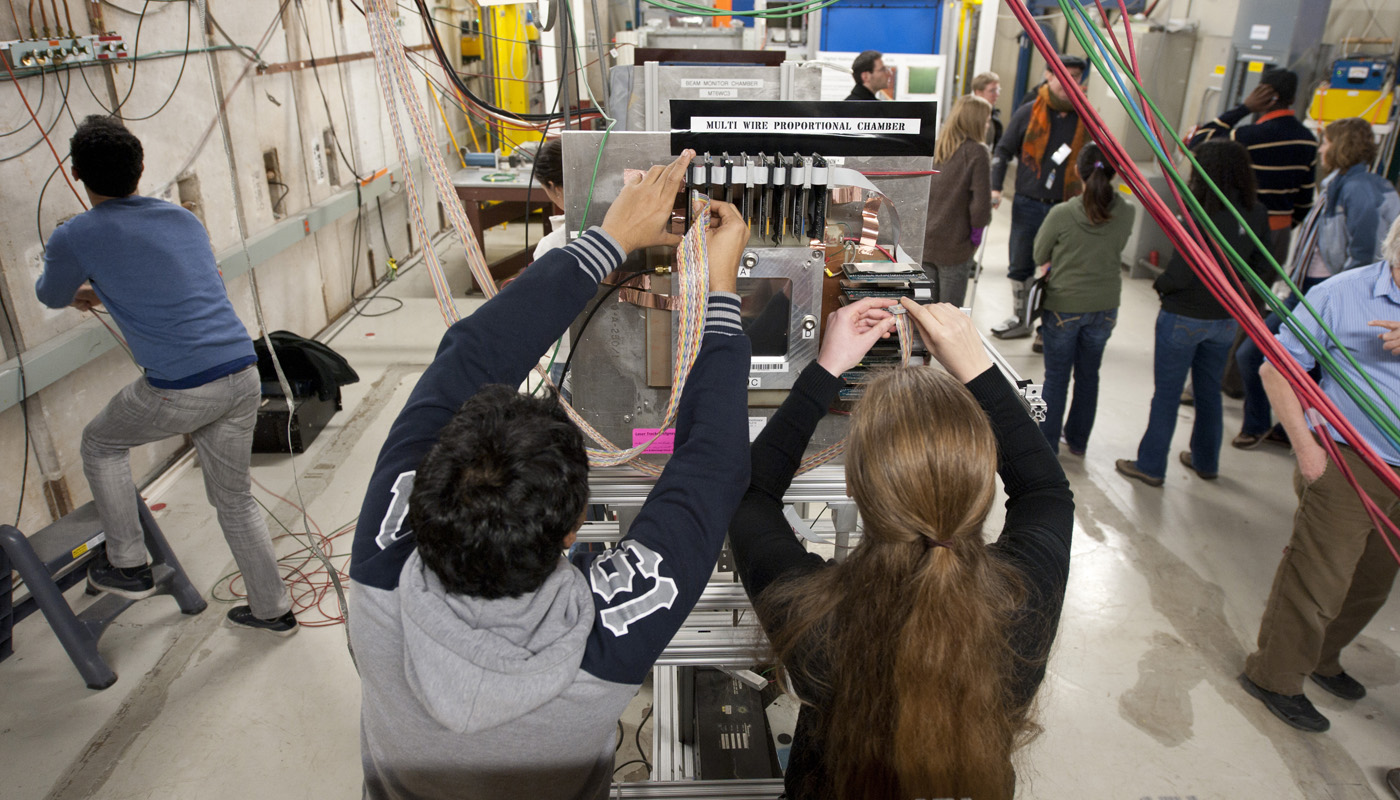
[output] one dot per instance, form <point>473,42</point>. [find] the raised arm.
<point>644,589</point>
<point>500,343</point>
<point>1222,126</point>
<point>763,543</point>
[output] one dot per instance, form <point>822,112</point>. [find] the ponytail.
<point>905,647</point>
<point>1097,175</point>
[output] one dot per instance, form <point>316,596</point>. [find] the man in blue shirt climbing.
<point>150,263</point>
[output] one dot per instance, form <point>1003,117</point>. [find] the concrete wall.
<point>301,290</point>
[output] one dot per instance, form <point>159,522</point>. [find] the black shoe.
<point>1342,685</point>
<point>1185,458</point>
<point>285,625</point>
<point>1392,779</point>
<point>1297,710</point>
<point>133,583</point>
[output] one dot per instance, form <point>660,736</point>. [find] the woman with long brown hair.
<point>917,657</point>
<point>959,199</point>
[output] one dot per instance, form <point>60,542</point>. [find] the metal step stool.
<point>55,559</point>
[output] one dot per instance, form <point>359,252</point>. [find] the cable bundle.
<point>692,271</point>
<point>1196,250</point>
<point>904,329</point>
<point>390,68</point>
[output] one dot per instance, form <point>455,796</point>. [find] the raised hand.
<point>852,330</point>
<point>725,242</point>
<point>641,214</point>
<point>951,338</point>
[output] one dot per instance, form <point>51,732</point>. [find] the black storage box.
<point>731,730</point>
<point>309,416</point>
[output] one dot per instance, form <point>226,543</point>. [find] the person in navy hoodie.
<point>491,665</point>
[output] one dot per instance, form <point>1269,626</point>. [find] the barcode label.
<point>768,366</point>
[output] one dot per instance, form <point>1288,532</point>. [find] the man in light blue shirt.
<point>150,263</point>
<point>1337,570</point>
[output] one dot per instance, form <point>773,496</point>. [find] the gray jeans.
<point>219,417</point>
<point>950,283</point>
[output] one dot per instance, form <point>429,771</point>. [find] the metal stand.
<point>720,632</point>
<point>55,559</point>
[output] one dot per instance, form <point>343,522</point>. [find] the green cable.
<point>598,160</point>
<point>1305,338</point>
<point>1310,343</point>
<point>552,355</point>
<point>1316,349</point>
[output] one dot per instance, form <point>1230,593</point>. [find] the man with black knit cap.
<point>1044,137</point>
<point>1282,149</point>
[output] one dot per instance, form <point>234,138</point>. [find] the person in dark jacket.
<point>491,665</point>
<point>1044,137</point>
<point>1282,150</point>
<point>987,85</point>
<point>1343,231</point>
<point>871,74</point>
<point>917,657</point>
<point>959,200</point>
<point>1194,332</point>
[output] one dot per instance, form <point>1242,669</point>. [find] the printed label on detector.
<point>722,83</point>
<point>665,444</point>
<point>806,125</point>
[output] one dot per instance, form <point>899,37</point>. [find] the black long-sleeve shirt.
<point>1183,293</point>
<point>1035,539</point>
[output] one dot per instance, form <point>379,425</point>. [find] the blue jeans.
<point>1073,343</point>
<point>1258,413</point>
<point>1026,218</point>
<point>1200,346</point>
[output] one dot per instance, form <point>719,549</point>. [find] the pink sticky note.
<point>664,444</point>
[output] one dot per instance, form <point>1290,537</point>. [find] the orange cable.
<point>33,116</point>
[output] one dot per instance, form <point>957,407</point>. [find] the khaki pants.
<point>1335,575</point>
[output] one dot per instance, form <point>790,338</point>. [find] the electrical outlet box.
<point>28,53</point>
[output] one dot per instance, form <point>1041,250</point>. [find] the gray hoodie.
<point>519,697</point>
<point>486,688</point>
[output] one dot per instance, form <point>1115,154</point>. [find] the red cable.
<point>44,133</point>
<point>1200,261</point>
<point>902,173</point>
<point>1192,227</point>
<point>1378,519</point>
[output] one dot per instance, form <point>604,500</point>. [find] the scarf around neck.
<point>1037,139</point>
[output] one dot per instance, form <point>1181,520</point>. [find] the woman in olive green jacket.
<point>1082,241</point>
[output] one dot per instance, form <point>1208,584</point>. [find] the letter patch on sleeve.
<point>614,573</point>
<point>390,530</point>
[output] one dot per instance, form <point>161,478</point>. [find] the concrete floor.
<point>1141,701</point>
